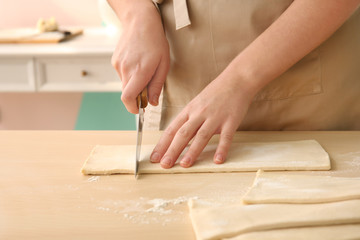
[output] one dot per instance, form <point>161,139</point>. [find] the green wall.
<point>104,111</point>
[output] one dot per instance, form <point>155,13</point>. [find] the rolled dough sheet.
<point>333,232</point>
<point>270,187</point>
<point>232,220</point>
<point>292,155</point>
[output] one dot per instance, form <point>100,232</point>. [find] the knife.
<point>142,103</point>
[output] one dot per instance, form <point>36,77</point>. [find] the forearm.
<point>300,29</point>
<point>131,12</point>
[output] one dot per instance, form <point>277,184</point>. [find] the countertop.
<point>43,195</point>
<point>93,41</point>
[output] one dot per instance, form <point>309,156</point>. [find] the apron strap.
<point>181,13</point>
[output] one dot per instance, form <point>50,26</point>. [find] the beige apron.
<point>320,92</point>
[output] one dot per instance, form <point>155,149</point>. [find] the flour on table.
<point>93,179</point>
<point>148,211</point>
<point>159,205</point>
<point>103,209</point>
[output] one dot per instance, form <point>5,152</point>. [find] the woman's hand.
<point>218,109</point>
<point>142,56</point>
<point>221,106</point>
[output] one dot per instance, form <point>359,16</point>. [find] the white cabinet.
<point>17,74</point>
<point>76,74</point>
<point>82,64</point>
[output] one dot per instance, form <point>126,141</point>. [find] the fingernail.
<point>219,158</point>
<point>186,161</point>
<point>166,162</point>
<point>155,99</point>
<point>155,157</point>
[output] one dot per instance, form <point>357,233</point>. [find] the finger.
<point>201,139</point>
<point>133,88</point>
<point>180,141</point>
<point>116,65</point>
<point>129,68</point>
<point>167,138</point>
<point>226,136</point>
<point>122,69</point>
<point>157,81</point>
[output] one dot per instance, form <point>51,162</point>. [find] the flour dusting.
<point>103,209</point>
<point>159,205</point>
<point>93,179</point>
<point>349,162</point>
<point>148,211</point>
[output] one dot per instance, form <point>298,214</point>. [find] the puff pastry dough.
<point>232,220</point>
<point>292,155</point>
<point>284,188</point>
<point>335,232</point>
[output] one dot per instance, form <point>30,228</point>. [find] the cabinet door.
<point>17,74</point>
<point>85,74</point>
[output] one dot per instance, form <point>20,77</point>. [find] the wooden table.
<point>43,195</point>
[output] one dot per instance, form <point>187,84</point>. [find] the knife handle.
<point>143,97</point>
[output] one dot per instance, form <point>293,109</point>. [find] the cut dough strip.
<point>285,188</point>
<point>334,232</point>
<point>232,220</point>
<point>292,155</point>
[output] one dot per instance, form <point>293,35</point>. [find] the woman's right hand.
<point>142,56</point>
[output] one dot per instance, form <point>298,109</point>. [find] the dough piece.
<point>334,232</point>
<point>282,188</point>
<point>293,155</point>
<point>232,220</point>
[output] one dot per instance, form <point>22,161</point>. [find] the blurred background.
<point>64,85</point>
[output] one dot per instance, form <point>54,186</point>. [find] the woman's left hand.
<point>222,105</point>
<point>218,109</point>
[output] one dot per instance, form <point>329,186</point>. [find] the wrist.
<point>242,80</point>
<point>131,12</point>
<point>248,74</point>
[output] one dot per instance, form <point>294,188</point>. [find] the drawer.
<point>17,74</point>
<point>92,74</point>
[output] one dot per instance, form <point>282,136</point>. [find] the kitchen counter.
<point>93,41</point>
<point>43,195</point>
<point>82,64</point>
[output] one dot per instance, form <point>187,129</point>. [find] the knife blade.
<point>142,103</point>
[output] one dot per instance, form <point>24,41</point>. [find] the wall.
<point>39,111</point>
<point>42,111</point>
<point>25,13</point>
<point>64,111</point>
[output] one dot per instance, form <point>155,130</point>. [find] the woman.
<point>247,65</point>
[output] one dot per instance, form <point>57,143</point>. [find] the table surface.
<point>43,195</point>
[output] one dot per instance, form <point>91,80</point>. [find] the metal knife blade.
<point>139,135</point>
